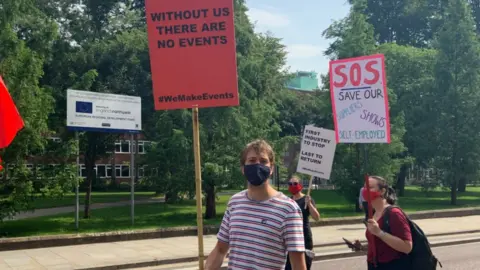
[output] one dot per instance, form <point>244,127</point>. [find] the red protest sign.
<point>192,53</point>
<point>358,89</point>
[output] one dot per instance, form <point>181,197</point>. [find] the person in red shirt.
<point>391,249</point>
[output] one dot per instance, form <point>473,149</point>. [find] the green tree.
<point>354,36</point>
<point>97,53</point>
<point>223,131</point>
<point>25,45</point>
<point>456,99</point>
<point>410,75</point>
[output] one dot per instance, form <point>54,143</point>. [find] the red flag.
<point>10,120</point>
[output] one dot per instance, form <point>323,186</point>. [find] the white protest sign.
<point>358,89</point>
<point>92,111</point>
<point>317,152</point>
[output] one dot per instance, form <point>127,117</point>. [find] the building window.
<point>109,170</point>
<point>141,172</point>
<point>83,171</point>
<point>101,171</point>
<point>118,147</point>
<point>125,147</point>
<point>122,171</point>
<point>56,139</point>
<point>122,147</point>
<point>141,147</point>
<point>125,171</point>
<point>118,170</point>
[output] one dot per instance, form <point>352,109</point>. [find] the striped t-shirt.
<point>260,233</point>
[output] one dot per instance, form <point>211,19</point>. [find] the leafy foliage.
<point>432,58</point>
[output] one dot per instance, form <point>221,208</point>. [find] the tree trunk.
<point>401,178</point>
<point>90,156</point>
<point>210,209</point>
<point>292,166</point>
<point>462,185</point>
<point>453,193</point>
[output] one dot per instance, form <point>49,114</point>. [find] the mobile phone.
<point>349,244</point>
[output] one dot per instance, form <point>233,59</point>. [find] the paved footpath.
<point>117,253</point>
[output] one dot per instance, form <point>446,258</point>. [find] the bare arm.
<point>216,257</point>
<point>297,260</point>
<point>396,243</point>
<point>400,236</point>
<point>294,240</point>
<point>313,211</point>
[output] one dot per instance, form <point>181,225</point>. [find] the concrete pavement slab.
<point>140,251</point>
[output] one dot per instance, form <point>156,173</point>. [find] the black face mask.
<point>256,174</point>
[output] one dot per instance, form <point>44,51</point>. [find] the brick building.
<point>114,166</point>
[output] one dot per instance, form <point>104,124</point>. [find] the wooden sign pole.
<point>309,189</point>
<point>198,185</point>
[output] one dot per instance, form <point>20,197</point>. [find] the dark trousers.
<point>308,260</point>
<point>365,209</point>
<point>399,264</point>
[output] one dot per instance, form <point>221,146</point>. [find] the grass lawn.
<point>97,197</point>
<point>157,215</point>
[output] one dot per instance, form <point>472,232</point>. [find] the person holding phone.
<point>307,204</point>
<point>391,249</point>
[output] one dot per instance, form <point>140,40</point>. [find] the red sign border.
<point>385,90</point>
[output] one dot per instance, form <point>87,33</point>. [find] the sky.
<point>300,25</point>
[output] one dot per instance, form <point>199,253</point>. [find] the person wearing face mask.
<point>295,188</point>
<point>260,224</point>
<point>391,249</point>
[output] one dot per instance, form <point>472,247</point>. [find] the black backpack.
<point>421,256</point>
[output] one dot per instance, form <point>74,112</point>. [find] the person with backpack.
<point>387,250</point>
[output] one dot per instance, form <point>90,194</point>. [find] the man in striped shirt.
<point>260,224</point>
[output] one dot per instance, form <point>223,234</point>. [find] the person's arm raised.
<point>400,237</point>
